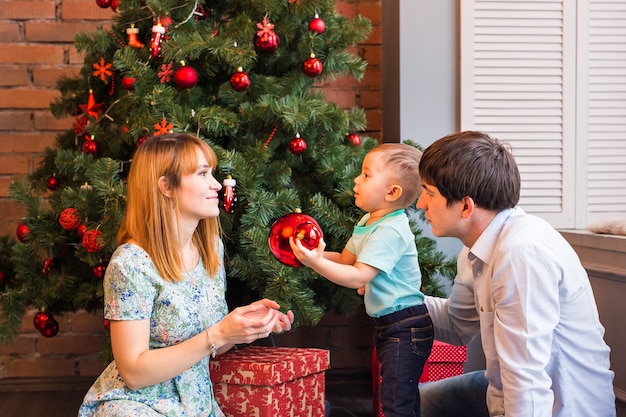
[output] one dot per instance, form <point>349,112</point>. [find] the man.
<point>519,285</point>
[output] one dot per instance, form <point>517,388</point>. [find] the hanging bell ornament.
<point>230,196</point>
<point>157,38</point>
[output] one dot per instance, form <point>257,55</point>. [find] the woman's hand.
<point>254,321</point>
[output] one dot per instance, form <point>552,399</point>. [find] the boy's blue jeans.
<point>456,396</point>
<point>403,340</point>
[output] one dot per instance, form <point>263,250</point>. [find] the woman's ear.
<point>164,187</point>
<point>394,193</point>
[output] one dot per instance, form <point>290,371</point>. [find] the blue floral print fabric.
<point>134,290</point>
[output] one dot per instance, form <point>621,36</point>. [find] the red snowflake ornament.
<point>102,69</point>
<point>165,75</point>
<point>163,128</point>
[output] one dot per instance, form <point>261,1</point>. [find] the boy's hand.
<point>360,290</point>
<point>306,256</point>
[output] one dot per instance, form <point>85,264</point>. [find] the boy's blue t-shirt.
<point>389,246</point>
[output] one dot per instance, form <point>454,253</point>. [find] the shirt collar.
<point>484,246</point>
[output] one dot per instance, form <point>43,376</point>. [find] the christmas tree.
<point>241,75</point>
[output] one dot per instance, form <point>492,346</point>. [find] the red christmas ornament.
<point>104,3</point>
<point>240,81</point>
<point>132,33</point>
<point>52,183</point>
<point>155,42</point>
<point>98,271</point>
<point>22,232</point>
<point>317,25</point>
<point>107,324</point>
<point>230,197</point>
<point>140,141</point>
<point>298,225</point>
<point>266,41</point>
<point>185,76</point>
<point>42,320</point>
<point>312,66</point>
<point>80,230</point>
<point>3,278</point>
<point>297,145</point>
<point>69,219</point>
<point>353,139</point>
<point>90,147</point>
<point>115,5</point>
<point>51,329</point>
<point>47,266</point>
<point>90,240</point>
<point>128,83</point>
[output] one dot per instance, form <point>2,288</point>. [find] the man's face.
<point>444,221</point>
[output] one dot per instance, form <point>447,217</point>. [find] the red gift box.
<point>445,360</point>
<point>271,381</point>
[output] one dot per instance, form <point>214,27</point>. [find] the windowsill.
<point>602,255</point>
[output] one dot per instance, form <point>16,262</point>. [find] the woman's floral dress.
<point>134,290</point>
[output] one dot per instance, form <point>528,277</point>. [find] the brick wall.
<point>36,44</point>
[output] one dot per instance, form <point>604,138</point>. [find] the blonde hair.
<point>403,162</point>
<point>148,214</point>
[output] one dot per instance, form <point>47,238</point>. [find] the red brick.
<point>56,31</point>
<point>10,209</point>
<point>21,10</point>
<point>22,98</point>
<point>372,78</point>
<point>86,322</point>
<point>372,10</point>
<point>10,32</point>
<point>90,366</point>
<point>345,99</point>
<point>63,343</point>
<point>372,54</point>
<point>374,119</point>
<point>345,9</point>
<point>26,143</point>
<point>23,345</point>
<point>40,367</point>
<point>14,76</point>
<point>371,99</point>
<point>48,76</point>
<point>19,53</point>
<point>44,120</point>
<point>16,121</point>
<point>76,58</point>
<point>84,10</point>
<point>11,164</point>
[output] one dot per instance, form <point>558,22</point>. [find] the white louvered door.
<point>549,77</point>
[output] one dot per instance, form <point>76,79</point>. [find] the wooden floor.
<point>61,397</point>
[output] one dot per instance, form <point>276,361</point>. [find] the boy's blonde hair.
<point>149,213</point>
<point>403,162</point>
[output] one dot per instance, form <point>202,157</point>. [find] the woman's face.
<point>198,193</point>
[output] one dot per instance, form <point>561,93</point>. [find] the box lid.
<point>445,352</point>
<point>261,365</point>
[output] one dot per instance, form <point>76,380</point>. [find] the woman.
<point>165,289</point>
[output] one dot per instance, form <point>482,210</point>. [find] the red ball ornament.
<point>140,141</point>
<point>22,232</point>
<point>69,218</point>
<point>3,278</point>
<point>317,25</point>
<point>52,183</point>
<point>115,5</point>
<point>312,66</point>
<point>240,81</point>
<point>107,324</point>
<point>353,139</point>
<point>51,329</point>
<point>80,230</point>
<point>99,270</point>
<point>185,77</point>
<point>297,146</point>
<point>90,147</point>
<point>267,43</point>
<point>90,240</point>
<point>42,320</point>
<point>298,225</point>
<point>104,3</point>
<point>128,83</point>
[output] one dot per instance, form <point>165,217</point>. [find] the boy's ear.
<point>394,193</point>
<point>164,187</point>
